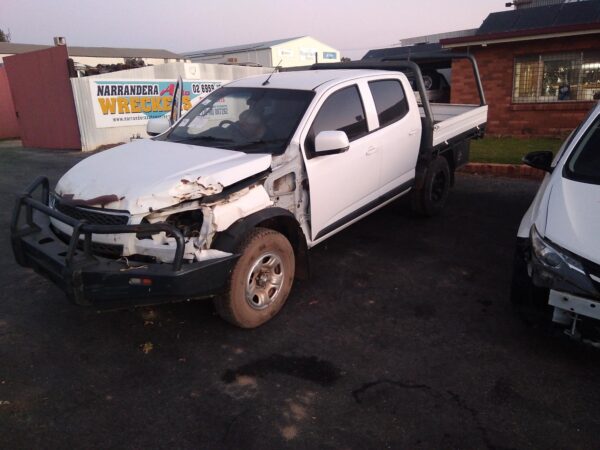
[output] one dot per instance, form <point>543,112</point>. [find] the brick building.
<point>540,67</point>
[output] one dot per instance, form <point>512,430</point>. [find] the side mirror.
<point>540,160</point>
<point>157,126</point>
<point>331,142</point>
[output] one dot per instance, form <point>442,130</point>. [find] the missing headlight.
<point>188,222</point>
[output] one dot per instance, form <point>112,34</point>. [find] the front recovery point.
<point>105,283</point>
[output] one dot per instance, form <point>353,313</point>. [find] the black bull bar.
<point>89,279</point>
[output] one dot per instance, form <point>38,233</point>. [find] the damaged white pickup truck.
<point>226,202</point>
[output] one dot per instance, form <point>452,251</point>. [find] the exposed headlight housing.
<point>555,268</point>
<point>550,256</point>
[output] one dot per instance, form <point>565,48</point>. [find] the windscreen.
<point>584,163</point>
<point>251,120</point>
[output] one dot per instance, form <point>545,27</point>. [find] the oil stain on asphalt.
<point>308,368</point>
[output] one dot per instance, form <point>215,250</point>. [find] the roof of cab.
<point>305,79</point>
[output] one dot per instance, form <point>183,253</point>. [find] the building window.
<point>557,77</point>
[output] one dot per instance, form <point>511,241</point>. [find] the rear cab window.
<point>342,111</point>
<point>390,101</point>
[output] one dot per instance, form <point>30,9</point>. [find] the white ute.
<point>557,261</point>
<point>226,202</point>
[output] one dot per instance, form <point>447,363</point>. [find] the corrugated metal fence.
<point>43,99</point>
<point>93,137</point>
<point>9,127</point>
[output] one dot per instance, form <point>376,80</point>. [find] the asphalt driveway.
<point>403,338</point>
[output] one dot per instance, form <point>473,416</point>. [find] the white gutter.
<point>484,43</point>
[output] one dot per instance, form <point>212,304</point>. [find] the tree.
<point>4,36</point>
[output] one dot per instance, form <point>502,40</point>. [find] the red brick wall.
<point>496,66</point>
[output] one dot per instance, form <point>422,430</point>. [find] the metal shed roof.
<point>241,48</point>
<point>97,52</point>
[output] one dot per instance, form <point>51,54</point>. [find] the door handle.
<point>371,150</point>
<point>412,132</point>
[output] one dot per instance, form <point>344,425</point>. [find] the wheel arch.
<point>277,219</point>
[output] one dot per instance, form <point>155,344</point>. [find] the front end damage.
<point>109,258</point>
<point>199,212</point>
<point>572,284</point>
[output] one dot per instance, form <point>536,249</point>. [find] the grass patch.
<point>506,150</point>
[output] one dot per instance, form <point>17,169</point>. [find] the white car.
<point>557,262</point>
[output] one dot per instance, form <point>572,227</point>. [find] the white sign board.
<point>119,103</point>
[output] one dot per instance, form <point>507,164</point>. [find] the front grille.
<point>99,217</point>
<point>108,250</point>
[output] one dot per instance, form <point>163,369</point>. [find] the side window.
<point>342,111</point>
<point>390,101</point>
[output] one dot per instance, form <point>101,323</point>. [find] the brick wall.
<point>496,66</point>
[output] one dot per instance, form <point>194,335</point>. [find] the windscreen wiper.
<point>202,138</point>
<point>260,142</point>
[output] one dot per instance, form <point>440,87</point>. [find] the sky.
<point>187,25</point>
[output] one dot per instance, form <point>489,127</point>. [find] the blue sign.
<point>133,102</point>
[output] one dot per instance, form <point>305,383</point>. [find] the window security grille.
<point>557,77</point>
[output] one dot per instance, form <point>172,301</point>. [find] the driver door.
<point>341,184</point>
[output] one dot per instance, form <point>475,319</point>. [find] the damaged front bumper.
<point>566,305</point>
<point>106,283</point>
<point>571,281</point>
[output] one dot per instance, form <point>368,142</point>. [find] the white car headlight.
<point>550,256</point>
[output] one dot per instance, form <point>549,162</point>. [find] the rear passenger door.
<point>398,131</point>
<point>342,183</point>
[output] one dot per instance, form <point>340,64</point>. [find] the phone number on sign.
<point>204,88</point>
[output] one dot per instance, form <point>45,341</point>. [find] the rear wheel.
<point>431,198</point>
<point>261,279</point>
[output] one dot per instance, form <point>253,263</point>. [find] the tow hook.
<point>572,332</point>
<point>575,334</point>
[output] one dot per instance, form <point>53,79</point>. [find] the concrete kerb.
<point>504,170</point>
<point>10,143</point>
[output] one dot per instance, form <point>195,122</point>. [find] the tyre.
<point>431,198</point>
<point>261,279</point>
<point>431,80</point>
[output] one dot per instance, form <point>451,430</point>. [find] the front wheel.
<point>431,198</point>
<point>260,281</point>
